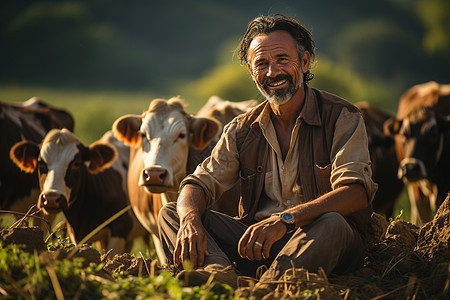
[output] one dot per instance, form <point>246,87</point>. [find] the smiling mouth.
<point>277,83</point>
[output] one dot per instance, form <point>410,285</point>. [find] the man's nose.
<point>273,70</point>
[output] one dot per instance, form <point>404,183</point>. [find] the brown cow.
<point>29,121</point>
<point>166,144</point>
<point>78,181</point>
<point>384,160</point>
<point>422,138</point>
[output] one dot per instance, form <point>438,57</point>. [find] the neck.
<point>286,114</point>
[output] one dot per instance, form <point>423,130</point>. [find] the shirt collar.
<point>309,113</point>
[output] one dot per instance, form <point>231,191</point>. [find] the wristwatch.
<point>288,220</point>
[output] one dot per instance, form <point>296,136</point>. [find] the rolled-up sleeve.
<point>350,154</point>
<point>220,171</point>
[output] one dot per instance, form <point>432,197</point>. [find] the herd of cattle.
<point>142,160</point>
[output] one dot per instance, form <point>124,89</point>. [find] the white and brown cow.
<point>80,182</point>
<point>422,135</point>
<point>30,120</point>
<point>166,144</point>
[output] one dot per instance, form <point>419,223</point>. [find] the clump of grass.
<point>25,275</point>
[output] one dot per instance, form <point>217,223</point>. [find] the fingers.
<point>266,249</point>
<point>243,244</point>
<point>257,250</point>
<point>192,249</point>
<point>258,239</point>
<point>251,244</point>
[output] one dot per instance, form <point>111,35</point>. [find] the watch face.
<point>287,218</point>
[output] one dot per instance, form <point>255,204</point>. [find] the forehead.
<point>275,42</point>
<point>61,148</point>
<point>161,123</point>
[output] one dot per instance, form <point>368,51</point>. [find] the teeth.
<point>278,83</point>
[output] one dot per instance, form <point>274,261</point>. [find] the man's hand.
<point>191,238</point>
<point>259,238</point>
<point>191,242</point>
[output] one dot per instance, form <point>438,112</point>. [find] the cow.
<point>30,120</point>
<point>166,144</point>
<point>422,138</point>
<point>384,160</point>
<point>224,110</point>
<point>80,182</point>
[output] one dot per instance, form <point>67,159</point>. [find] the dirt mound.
<point>434,237</point>
<point>31,237</point>
<point>89,255</point>
<point>132,265</point>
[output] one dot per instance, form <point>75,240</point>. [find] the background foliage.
<point>186,47</point>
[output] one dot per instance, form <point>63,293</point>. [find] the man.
<point>304,165</point>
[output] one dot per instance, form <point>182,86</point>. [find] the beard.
<point>281,96</point>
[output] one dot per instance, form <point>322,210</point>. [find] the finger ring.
<point>258,244</point>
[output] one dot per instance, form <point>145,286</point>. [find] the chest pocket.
<point>323,174</point>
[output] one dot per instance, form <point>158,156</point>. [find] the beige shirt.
<point>220,171</point>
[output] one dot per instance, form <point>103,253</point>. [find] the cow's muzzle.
<point>52,202</point>
<point>154,179</point>
<point>411,169</point>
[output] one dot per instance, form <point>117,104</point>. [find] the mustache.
<point>281,77</point>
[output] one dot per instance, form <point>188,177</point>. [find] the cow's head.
<point>420,141</point>
<point>165,132</point>
<point>62,161</point>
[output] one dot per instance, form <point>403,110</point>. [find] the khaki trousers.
<point>328,242</point>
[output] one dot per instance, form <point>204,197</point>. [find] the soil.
<point>402,262</point>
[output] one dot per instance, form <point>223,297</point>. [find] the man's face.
<point>275,66</point>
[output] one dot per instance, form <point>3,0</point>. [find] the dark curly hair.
<point>271,23</point>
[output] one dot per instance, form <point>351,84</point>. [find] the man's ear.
<point>25,154</point>
<point>306,59</point>
<point>392,126</point>
<point>101,157</point>
<point>203,131</point>
<point>126,129</point>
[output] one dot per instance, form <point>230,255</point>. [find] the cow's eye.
<point>42,167</point>
<point>181,136</point>
<point>75,165</point>
<point>143,136</point>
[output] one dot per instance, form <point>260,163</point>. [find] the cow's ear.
<point>126,129</point>
<point>25,154</point>
<point>392,126</point>
<point>101,157</point>
<point>203,131</point>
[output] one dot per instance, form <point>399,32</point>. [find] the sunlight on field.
<point>94,111</point>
